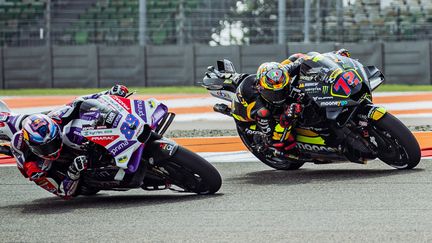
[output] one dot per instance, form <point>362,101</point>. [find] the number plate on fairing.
<point>122,139</point>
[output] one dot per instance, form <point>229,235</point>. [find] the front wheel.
<point>192,173</point>
<point>397,146</point>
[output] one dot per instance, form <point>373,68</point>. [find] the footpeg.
<point>222,108</point>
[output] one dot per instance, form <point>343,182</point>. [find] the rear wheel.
<point>397,146</point>
<point>192,173</point>
<point>276,163</point>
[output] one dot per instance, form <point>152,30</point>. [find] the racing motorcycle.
<point>338,122</point>
<point>124,141</point>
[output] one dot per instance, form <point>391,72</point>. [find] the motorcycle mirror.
<point>229,66</point>
<point>128,95</point>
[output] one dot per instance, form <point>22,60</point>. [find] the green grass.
<point>176,90</point>
<point>401,88</point>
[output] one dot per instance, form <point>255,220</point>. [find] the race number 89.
<point>129,125</point>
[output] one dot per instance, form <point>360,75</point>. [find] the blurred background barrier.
<point>252,56</point>
<point>27,67</point>
<point>95,43</point>
<point>75,66</point>
<point>121,63</point>
<point>408,62</point>
<point>102,66</point>
<point>170,65</point>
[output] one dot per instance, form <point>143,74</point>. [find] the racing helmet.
<point>273,79</point>
<point>43,137</point>
<point>343,52</point>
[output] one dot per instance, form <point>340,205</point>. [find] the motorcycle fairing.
<point>121,141</point>
<point>373,112</point>
<point>162,149</point>
<point>333,82</point>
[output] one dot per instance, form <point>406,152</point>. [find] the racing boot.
<point>222,108</point>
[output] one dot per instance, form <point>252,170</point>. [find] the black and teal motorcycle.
<point>339,122</point>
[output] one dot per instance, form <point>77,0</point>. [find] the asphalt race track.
<point>318,203</point>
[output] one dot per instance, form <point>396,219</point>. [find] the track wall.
<point>103,66</point>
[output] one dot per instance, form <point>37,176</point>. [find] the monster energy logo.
<point>325,89</point>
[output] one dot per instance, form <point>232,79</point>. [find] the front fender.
<point>373,112</point>
<point>160,150</point>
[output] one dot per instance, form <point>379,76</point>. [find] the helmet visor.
<point>49,150</point>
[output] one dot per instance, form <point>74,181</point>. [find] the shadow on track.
<point>53,205</point>
<point>304,176</point>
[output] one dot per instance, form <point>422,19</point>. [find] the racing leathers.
<point>61,176</point>
<point>271,121</point>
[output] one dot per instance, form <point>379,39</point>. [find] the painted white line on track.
<point>407,105</point>
<point>404,93</point>
<point>7,165</point>
<point>209,116</point>
<point>229,157</point>
<point>417,115</point>
<point>191,102</point>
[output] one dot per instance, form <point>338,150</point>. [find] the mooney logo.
<point>315,148</point>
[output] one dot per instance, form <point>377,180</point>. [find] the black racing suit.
<point>250,106</point>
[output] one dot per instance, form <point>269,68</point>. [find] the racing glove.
<point>290,114</point>
<point>79,164</point>
<point>119,90</point>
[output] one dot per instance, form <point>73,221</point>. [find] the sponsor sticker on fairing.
<point>110,118</point>
<point>313,90</point>
<point>334,103</point>
<point>117,121</point>
<point>103,140</point>
<point>168,147</point>
<point>120,146</point>
<point>140,109</point>
<point>97,132</point>
<point>125,103</point>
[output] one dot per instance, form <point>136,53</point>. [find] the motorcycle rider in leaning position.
<point>269,95</point>
<point>42,152</point>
